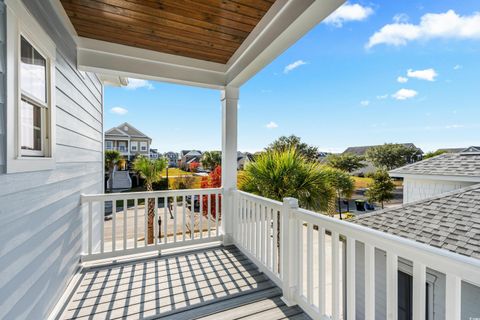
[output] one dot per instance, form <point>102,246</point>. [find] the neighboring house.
<point>445,172</point>
<point>189,156</point>
<point>450,221</point>
<point>127,140</point>
<point>172,158</point>
<point>154,154</point>
<point>243,158</point>
<point>450,150</point>
<point>369,167</point>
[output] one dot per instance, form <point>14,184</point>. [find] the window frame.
<point>21,24</point>
<point>133,144</point>
<point>143,144</point>
<point>107,147</point>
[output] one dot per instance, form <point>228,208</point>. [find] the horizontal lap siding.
<point>40,213</point>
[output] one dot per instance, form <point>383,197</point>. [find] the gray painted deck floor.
<point>215,283</point>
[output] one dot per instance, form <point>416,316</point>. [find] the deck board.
<point>210,284</point>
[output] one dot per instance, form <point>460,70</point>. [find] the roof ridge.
<point>419,162</point>
<point>413,203</point>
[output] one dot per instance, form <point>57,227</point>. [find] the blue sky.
<point>375,72</point>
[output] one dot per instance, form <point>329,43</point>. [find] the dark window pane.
<point>33,71</point>
<point>31,131</point>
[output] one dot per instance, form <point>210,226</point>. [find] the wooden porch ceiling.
<point>210,30</point>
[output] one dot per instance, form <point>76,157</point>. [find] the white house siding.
<point>40,212</point>
<point>419,189</point>
<point>2,86</point>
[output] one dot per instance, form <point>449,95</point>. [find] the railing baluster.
<point>335,276</point>
<point>114,224</point>
<point>166,207</point>
<point>269,239</point>
<point>183,218</point>
<point>135,223</point>
<point>350,288</point>
<point>192,217</point>
<point>419,294</point>
<point>102,227</point>
<point>392,286</point>
<point>209,214</point>
<point>90,227</point>
<point>156,229</point>
<point>175,221</point>
<point>217,214</point>
<point>275,242</point>
<point>249,225</point>
<point>257,231</point>
<point>263,236</point>
<point>301,274</point>
<point>200,199</point>
<point>369,281</point>
<point>321,270</point>
<point>145,229</point>
<point>125,224</point>
<point>309,263</point>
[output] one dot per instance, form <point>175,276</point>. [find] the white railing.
<point>317,256</point>
<point>118,223</point>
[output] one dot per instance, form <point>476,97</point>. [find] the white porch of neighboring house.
<point>273,257</point>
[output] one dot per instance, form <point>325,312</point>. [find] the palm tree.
<point>111,159</point>
<point>277,174</point>
<point>342,183</point>
<point>211,159</point>
<point>151,172</point>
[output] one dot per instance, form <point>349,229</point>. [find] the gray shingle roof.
<point>449,221</point>
<point>361,151</point>
<point>447,164</point>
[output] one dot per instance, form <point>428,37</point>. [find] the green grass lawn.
<point>175,172</point>
<point>361,182</point>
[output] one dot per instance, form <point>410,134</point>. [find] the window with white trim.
<point>143,146</point>
<point>134,145</point>
<point>30,93</point>
<point>109,145</point>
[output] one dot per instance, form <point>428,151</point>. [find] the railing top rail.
<point>439,259</point>
<point>148,194</point>
<point>260,198</point>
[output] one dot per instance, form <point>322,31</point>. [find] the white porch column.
<point>229,159</point>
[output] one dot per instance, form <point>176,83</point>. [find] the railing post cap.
<point>291,202</point>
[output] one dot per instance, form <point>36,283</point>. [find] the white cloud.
<point>348,12</point>
<point>458,67</point>
<point>402,79</point>
<point>448,25</point>
<point>427,74</point>
<point>365,103</point>
<point>454,126</point>
<point>382,97</point>
<point>119,110</point>
<point>271,125</point>
<point>138,83</point>
<point>404,94</point>
<point>293,65</point>
<point>401,18</point>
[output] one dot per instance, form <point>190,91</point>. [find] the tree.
<point>111,159</point>
<point>432,154</point>
<point>213,180</point>
<point>211,159</point>
<point>342,183</point>
<point>390,155</point>
<point>381,190</point>
<point>347,162</point>
<point>285,143</point>
<point>193,166</point>
<point>151,171</point>
<point>277,174</point>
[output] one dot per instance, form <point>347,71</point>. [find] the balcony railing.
<point>312,257</point>
<point>117,223</point>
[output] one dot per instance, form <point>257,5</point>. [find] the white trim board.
<point>285,23</point>
<point>436,177</point>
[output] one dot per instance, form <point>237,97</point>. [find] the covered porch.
<point>264,255</point>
